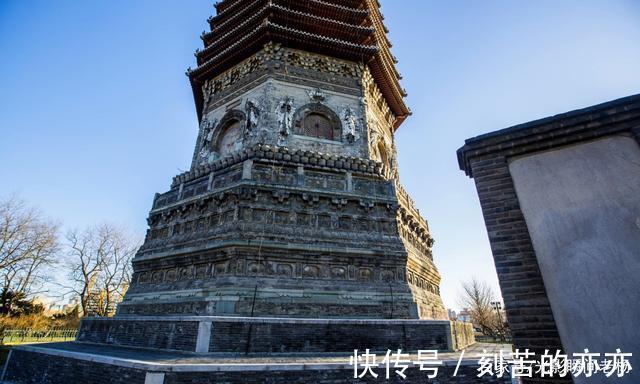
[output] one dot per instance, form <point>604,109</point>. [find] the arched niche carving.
<point>229,133</point>
<point>383,153</point>
<point>318,121</point>
<point>382,149</point>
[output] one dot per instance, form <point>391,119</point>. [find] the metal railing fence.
<point>9,336</point>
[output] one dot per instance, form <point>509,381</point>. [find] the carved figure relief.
<point>284,112</point>
<point>350,125</point>
<point>311,271</point>
<point>206,146</point>
<point>382,149</point>
<point>260,268</point>
<point>285,270</point>
<point>220,268</point>
<point>338,272</point>
<point>382,153</point>
<point>393,159</point>
<point>252,109</point>
<point>365,274</point>
<point>317,95</point>
<point>185,273</point>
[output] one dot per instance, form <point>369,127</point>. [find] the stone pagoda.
<point>292,206</point>
<point>290,233</point>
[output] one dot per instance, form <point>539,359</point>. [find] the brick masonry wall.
<point>287,338</point>
<point>36,368</point>
<point>466,375</point>
<point>523,291</point>
<point>236,335</point>
<point>486,159</point>
<point>180,336</point>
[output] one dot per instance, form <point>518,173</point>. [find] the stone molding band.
<point>284,155</point>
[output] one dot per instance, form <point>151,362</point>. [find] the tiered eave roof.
<point>346,29</point>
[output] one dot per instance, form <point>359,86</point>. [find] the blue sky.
<point>96,114</point>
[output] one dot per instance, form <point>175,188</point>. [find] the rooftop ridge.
<point>262,13</point>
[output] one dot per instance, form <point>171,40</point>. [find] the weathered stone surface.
<point>166,335</point>
<point>292,208</point>
<point>281,223</point>
<point>582,208</point>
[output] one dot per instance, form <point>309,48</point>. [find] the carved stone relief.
<point>253,112</point>
<point>317,120</point>
<point>206,144</point>
<point>284,112</point>
<point>285,270</point>
<point>293,59</point>
<point>317,95</point>
<point>311,271</point>
<point>350,121</point>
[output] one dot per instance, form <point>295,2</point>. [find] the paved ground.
<point>4,351</point>
<point>180,358</point>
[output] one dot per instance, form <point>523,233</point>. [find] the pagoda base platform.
<point>75,362</point>
<point>244,335</point>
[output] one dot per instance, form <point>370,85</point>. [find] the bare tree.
<point>28,245</point>
<point>83,264</point>
<point>478,298</point>
<point>115,274</point>
<point>99,264</point>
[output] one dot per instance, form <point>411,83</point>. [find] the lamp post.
<point>498,306</point>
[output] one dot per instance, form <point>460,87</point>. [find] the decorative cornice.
<point>284,155</point>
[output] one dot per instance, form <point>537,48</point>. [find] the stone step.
<point>68,363</point>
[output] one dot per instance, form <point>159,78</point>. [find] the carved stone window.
<point>229,137</point>
<point>318,121</point>
<point>383,154</point>
<point>317,125</point>
<point>229,133</point>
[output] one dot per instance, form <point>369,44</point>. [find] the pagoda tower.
<point>292,205</point>
<point>289,235</point>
